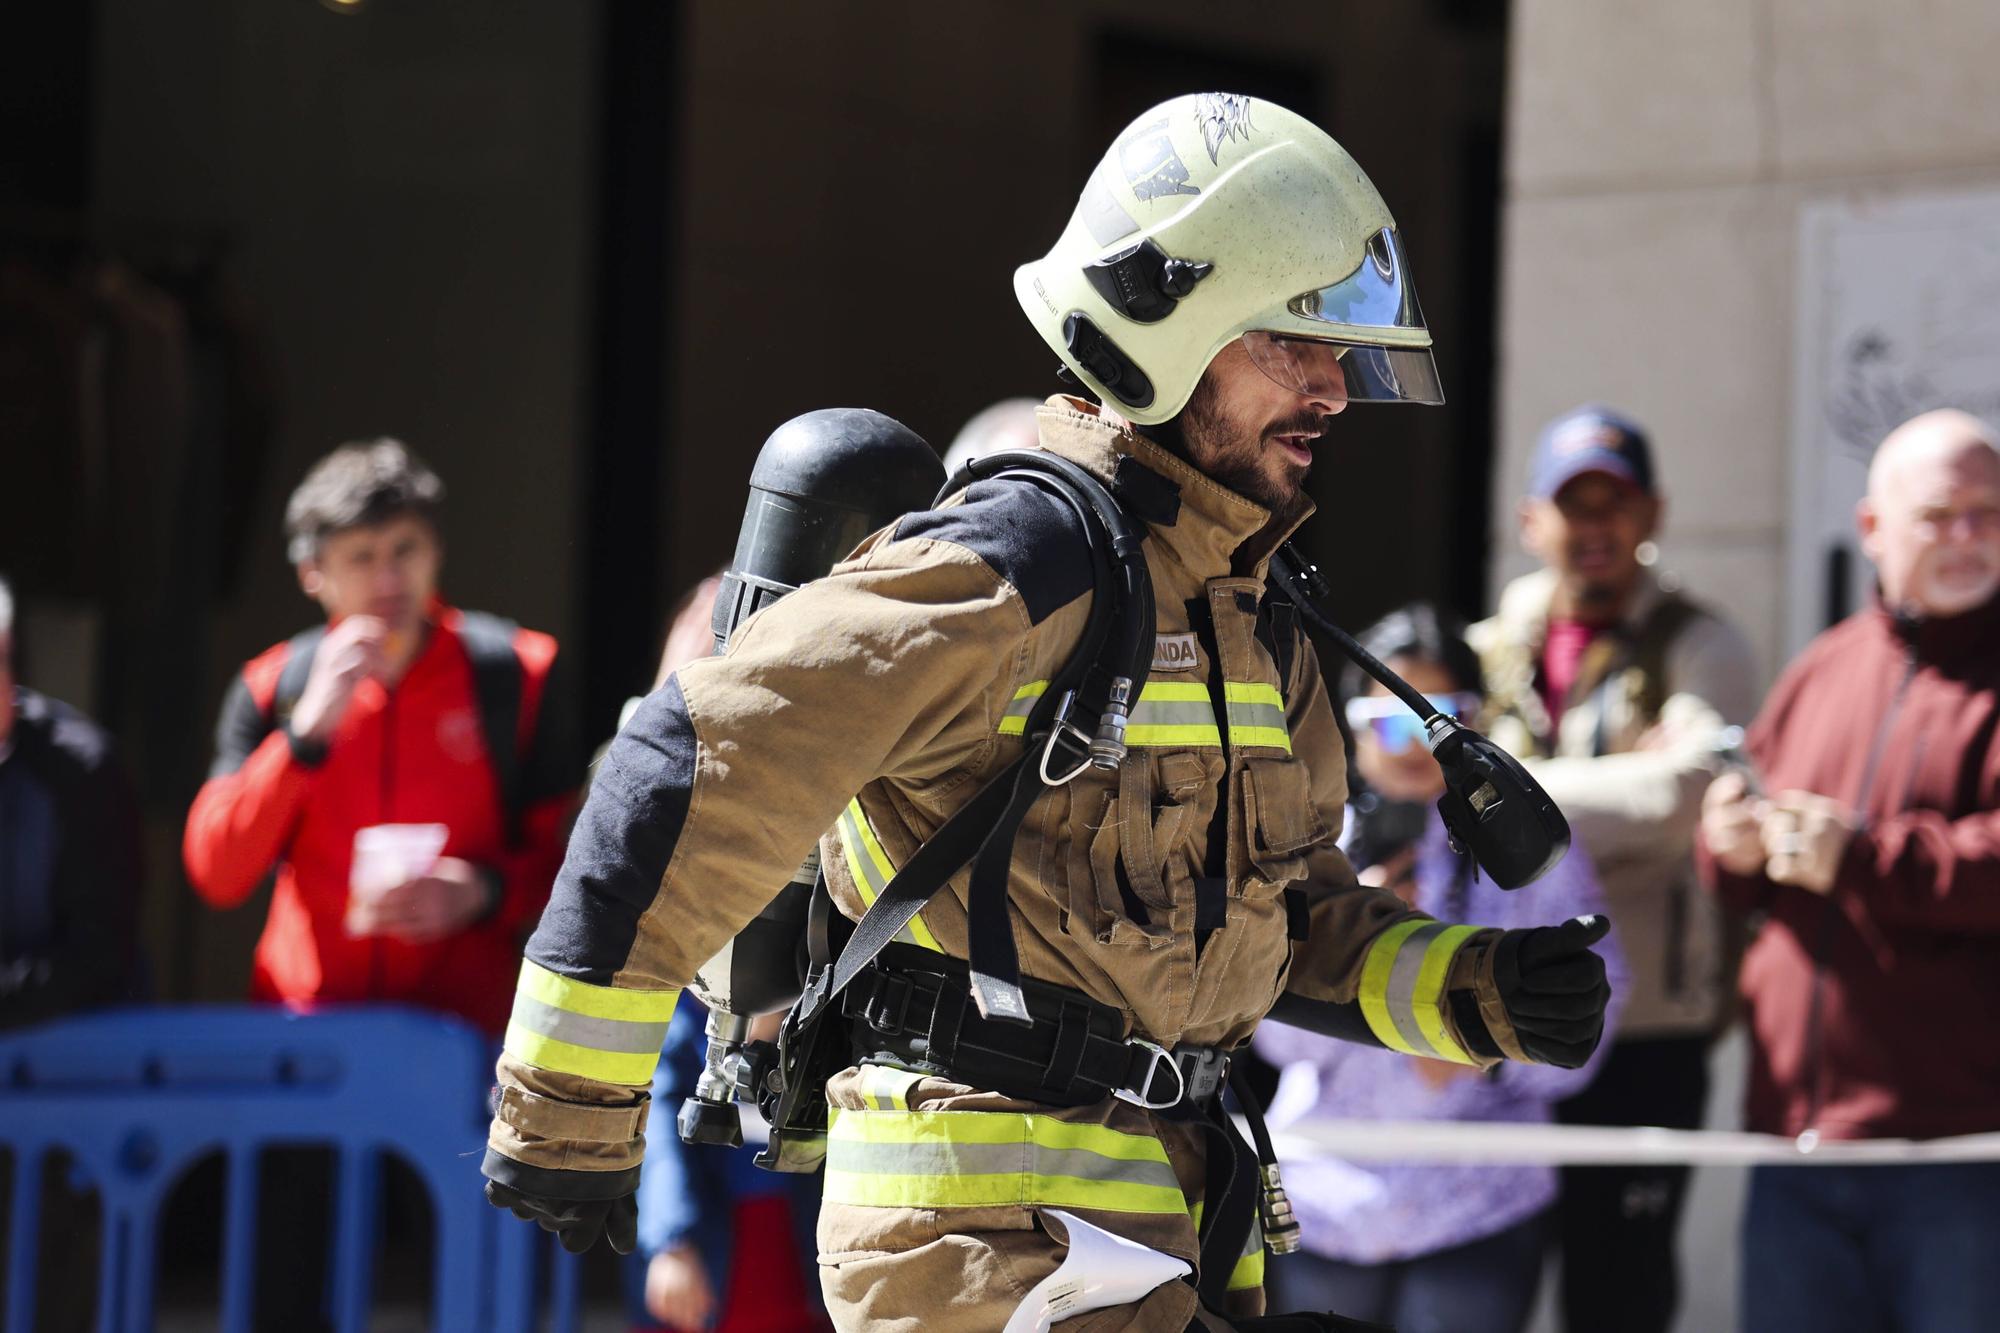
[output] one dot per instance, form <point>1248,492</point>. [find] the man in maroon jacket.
<point>1870,988</point>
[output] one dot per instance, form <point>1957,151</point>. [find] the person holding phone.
<point>1873,858</point>
<point>1452,1248</point>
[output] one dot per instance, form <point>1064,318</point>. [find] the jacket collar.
<point>1218,533</point>
<point>1944,640</point>
<point>1524,606</point>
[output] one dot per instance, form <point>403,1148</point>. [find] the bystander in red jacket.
<point>414,754</point>
<point>399,711</point>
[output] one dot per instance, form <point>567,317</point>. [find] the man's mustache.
<point>1312,423</point>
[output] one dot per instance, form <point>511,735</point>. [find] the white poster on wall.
<point>1898,313</point>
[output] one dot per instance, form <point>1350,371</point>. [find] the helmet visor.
<point>1377,295</point>
<point>1346,372</point>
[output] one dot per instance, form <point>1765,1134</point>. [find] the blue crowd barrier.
<point>137,1097</point>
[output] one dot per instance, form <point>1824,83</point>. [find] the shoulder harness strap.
<point>496,685</point>
<point>1116,644</point>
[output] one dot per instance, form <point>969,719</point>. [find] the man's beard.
<point>1236,455</point>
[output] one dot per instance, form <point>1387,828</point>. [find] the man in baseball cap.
<point>1612,686</point>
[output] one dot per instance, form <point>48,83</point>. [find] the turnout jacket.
<point>862,710</point>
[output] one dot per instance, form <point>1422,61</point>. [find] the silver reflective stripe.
<point>888,1089</point>
<point>1256,715</point>
<point>1145,714</point>
<point>993,1159</point>
<point>599,1034</point>
<point>1024,703</point>
<point>1400,995</point>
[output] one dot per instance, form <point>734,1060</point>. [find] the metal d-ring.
<point>1057,729</point>
<point>1138,1096</point>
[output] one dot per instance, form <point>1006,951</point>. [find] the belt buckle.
<point>1161,1055</point>
<point>1210,1074</point>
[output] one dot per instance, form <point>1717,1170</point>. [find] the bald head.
<point>1931,521</point>
<point>1007,424</point>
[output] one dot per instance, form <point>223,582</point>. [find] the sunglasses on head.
<point>1396,728</point>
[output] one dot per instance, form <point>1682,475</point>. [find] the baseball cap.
<point>1590,439</point>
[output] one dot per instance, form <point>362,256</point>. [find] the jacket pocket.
<point>1091,852</point>
<point>1280,824</point>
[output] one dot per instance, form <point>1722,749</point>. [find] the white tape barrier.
<point>1593,1145</point>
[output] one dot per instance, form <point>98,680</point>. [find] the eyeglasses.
<point>1396,728</point>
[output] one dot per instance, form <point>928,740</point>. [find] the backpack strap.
<point>1117,641</point>
<point>1651,643</point>
<point>496,685</point>
<point>1647,646</point>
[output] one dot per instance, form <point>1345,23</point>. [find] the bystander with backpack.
<point>405,769</point>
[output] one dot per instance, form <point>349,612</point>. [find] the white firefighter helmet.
<point>1215,217</point>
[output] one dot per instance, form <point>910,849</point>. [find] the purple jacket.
<point>1378,1212</point>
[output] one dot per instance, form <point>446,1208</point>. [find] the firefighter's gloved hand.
<point>1541,993</point>
<point>578,1206</point>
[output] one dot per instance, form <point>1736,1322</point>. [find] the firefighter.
<point>1229,283</point>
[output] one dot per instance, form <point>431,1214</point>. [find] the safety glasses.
<point>1396,728</point>
<point>1345,372</point>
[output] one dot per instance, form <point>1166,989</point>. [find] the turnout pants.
<point>938,1200</point>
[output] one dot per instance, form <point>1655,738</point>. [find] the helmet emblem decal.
<point>1222,117</point>
<point>1152,167</point>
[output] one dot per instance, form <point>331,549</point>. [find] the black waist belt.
<point>915,1008</point>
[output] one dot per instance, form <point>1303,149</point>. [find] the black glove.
<point>1551,989</point>
<point>578,1206</point>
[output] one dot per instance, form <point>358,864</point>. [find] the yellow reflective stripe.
<point>1014,722</point>
<point>1173,713</point>
<point>1402,988</point>
<point>561,1057</point>
<point>1428,1001</point>
<point>1249,1270</point>
<point>1256,715</point>
<point>1252,692</point>
<point>1375,972</point>
<point>581,997</point>
<point>888,1088</point>
<point>990,1127</point>
<point>959,1159</point>
<point>878,870</point>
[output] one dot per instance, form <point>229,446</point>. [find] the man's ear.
<point>310,579</point>
<point>1868,524</point>
<point>1527,528</point>
<point>1657,518</point>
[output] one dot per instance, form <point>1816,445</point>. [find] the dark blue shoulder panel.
<point>1025,535</point>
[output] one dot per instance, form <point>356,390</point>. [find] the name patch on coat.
<point>1174,652</point>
